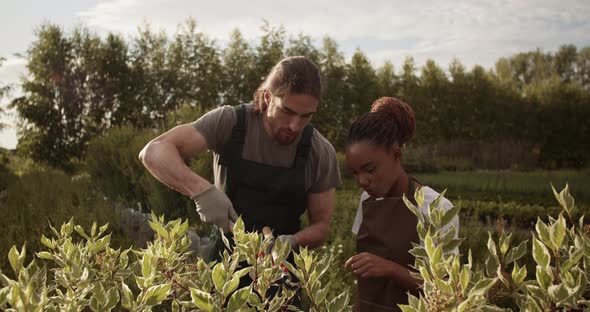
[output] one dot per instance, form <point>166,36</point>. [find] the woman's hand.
<point>369,265</point>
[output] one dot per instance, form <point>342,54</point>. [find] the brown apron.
<point>387,230</point>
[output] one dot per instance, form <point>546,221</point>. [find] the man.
<point>270,165</point>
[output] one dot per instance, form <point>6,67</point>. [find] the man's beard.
<point>285,137</point>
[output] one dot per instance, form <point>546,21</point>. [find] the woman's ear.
<point>266,97</point>
<point>396,151</point>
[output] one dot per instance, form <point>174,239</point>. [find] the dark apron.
<point>263,195</point>
<point>387,230</point>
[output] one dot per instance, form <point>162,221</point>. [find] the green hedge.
<point>38,197</point>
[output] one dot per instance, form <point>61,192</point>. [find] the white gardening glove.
<point>290,239</point>
<point>214,207</point>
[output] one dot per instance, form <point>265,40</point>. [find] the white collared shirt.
<point>429,196</point>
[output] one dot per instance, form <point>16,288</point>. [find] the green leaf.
<point>505,243</point>
<point>516,253</point>
<point>449,215</point>
<point>254,299</point>
<point>543,277</point>
<point>429,246</point>
<point>492,246</point>
<point>557,292</point>
<point>155,294</point>
<point>94,304</point>
<point>413,209</point>
<point>558,231</point>
<point>202,300</point>
<point>53,229</point>
<point>572,260</point>
<point>13,259</point>
<point>80,231</point>
<point>127,300</point>
<point>238,299</point>
<point>482,287</point>
<point>535,291</point>
<point>231,286</point>
<point>419,197</point>
<point>532,306</point>
<point>339,303</point>
<point>567,198</point>
<point>543,232</point>
<point>47,242</point>
<point>103,229</point>
<point>452,245</point>
<point>113,298</point>
<point>183,228</point>
<point>225,240</point>
<point>146,265</point>
<point>541,253</point>
<point>419,252</point>
<point>492,262</point>
<point>219,276</point>
<point>175,306</point>
<point>298,274</point>
<point>3,295</point>
<point>518,274</point>
<point>67,228</point>
<point>464,280</point>
<point>242,272</point>
<point>321,294</point>
<point>159,229</point>
<point>44,255</point>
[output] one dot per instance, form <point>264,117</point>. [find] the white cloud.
<point>475,31</point>
<point>11,70</point>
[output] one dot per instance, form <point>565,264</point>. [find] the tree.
<point>197,68</point>
<point>583,65</point>
<point>363,87</point>
<point>302,46</point>
<point>565,62</point>
<point>153,78</point>
<point>270,50</point>
<point>408,81</point>
<point>119,86</point>
<point>64,103</point>
<point>387,80</point>
<point>4,91</point>
<point>239,81</point>
<point>331,115</point>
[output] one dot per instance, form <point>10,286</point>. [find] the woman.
<point>384,226</point>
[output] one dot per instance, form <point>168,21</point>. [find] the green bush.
<point>523,216</point>
<point>112,162</point>
<point>560,249</point>
<point>39,196</point>
<point>90,275</point>
<point>7,177</point>
<point>502,185</point>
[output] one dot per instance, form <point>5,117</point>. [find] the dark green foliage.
<point>81,84</point>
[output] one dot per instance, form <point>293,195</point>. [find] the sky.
<point>473,31</point>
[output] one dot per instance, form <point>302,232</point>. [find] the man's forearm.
<point>313,236</point>
<point>165,163</point>
<point>319,210</point>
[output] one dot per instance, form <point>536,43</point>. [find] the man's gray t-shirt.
<point>321,171</point>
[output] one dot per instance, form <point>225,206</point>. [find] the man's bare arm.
<point>165,157</point>
<point>320,207</point>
